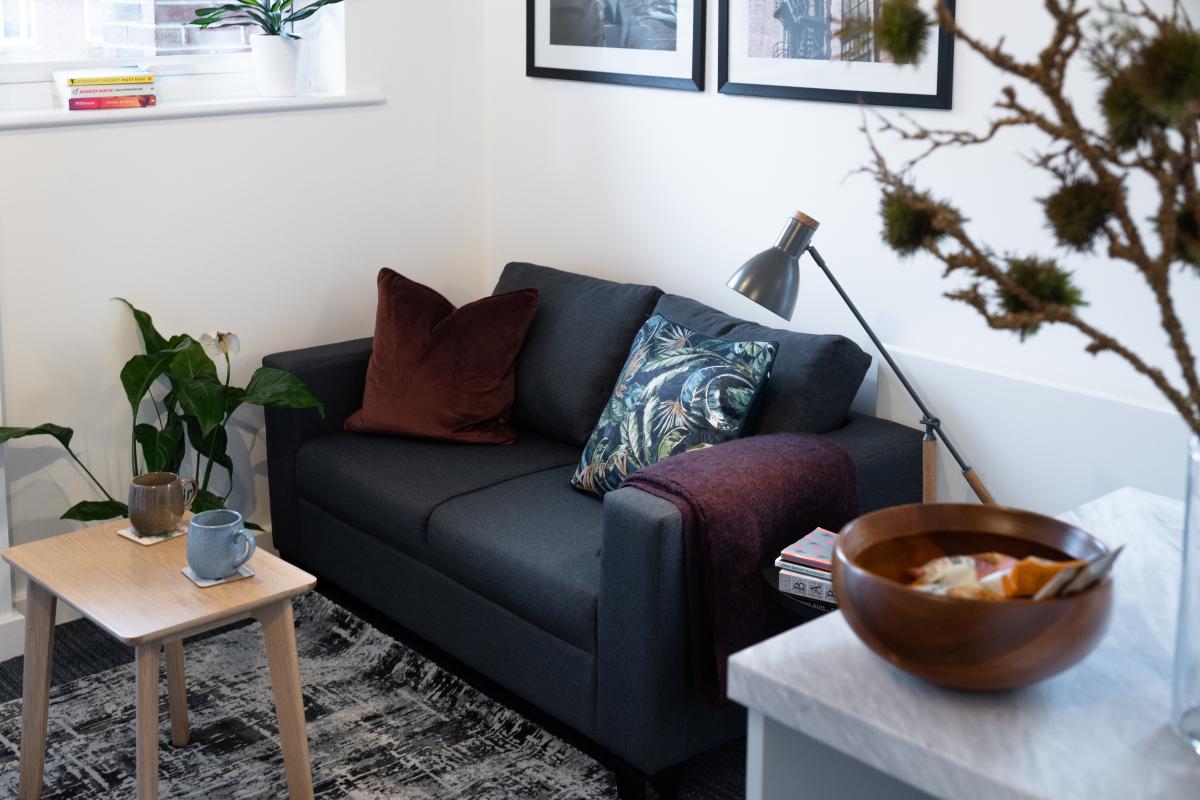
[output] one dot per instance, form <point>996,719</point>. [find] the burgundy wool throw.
<point>741,501</point>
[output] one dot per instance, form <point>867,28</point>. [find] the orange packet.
<point>1032,573</point>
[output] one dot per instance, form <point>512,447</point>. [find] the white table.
<point>829,719</point>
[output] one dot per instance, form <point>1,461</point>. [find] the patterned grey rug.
<point>383,722</point>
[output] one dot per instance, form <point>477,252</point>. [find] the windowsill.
<point>61,118</point>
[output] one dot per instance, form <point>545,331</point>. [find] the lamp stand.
<point>933,426</point>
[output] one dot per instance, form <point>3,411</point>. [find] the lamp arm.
<point>933,425</point>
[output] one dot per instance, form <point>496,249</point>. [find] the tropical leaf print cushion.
<point>679,390</point>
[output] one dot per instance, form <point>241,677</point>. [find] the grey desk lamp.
<point>772,279</point>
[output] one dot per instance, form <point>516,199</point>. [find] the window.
<point>83,30</point>
<point>199,72</point>
<point>16,24</point>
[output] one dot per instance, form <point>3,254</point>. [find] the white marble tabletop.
<point>1098,730</point>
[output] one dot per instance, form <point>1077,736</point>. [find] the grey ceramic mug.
<point>218,543</point>
<point>158,501</point>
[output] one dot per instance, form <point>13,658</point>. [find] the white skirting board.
<point>12,636</point>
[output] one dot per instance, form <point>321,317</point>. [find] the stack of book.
<point>804,570</point>
<point>97,90</point>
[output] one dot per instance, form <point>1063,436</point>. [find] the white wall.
<point>271,226</point>
<point>678,189</point>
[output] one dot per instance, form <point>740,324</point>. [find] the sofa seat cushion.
<point>530,545</point>
<point>388,487</point>
<point>575,347</point>
<point>814,379</point>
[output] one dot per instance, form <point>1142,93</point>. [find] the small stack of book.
<point>97,90</point>
<point>804,570</point>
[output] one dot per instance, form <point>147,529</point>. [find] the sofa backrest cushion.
<point>680,389</point>
<point>575,348</point>
<point>814,379</point>
<point>440,372</point>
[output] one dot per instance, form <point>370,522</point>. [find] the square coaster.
<point>147,541</point>
<point>243,572</point>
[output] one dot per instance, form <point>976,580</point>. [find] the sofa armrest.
<point>648,710</point>
<point>336,374</point>
<point>888,456</point>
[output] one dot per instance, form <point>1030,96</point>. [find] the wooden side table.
<point>139,596</point>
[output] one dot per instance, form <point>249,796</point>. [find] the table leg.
<point>177,694</point>
<point>147,720</point>
<point>35,703</point>
<point>280,634</point>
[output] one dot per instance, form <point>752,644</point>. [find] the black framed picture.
<point>795,49</point>
<point>634,42</point>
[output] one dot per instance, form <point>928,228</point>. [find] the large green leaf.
<point>206,501</point>
<point>204,399</point>
<point>63,435</point>
<point>170,403</point>
<point>234,397</point>
<point>96,511</point>
<point>140,372</point>
<point>160,449</point>
<point>214,446</point>
<point>309,10</point>
<point>153,340</point>
<point>192,362</point>
<point>275,388</point>
<point>248,10</point>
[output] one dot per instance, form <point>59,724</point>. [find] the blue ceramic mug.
<point>218,544</point>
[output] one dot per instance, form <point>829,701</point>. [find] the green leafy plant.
<point>191,402</point>
<point>1148,65</point>
<point>273,16</point>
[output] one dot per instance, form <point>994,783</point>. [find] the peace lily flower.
<point>220,343</point>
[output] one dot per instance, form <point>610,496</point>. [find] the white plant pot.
<point>276,64</point>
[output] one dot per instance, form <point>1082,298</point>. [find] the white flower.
<point>220,344</point>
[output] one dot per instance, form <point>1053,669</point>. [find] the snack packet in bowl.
<point>1030,574</point>
<point>963,576</point>
<point>988,576</point>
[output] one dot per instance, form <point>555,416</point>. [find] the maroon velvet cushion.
<point>439,372</point>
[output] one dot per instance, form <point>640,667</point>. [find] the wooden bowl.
<point>965,644</point>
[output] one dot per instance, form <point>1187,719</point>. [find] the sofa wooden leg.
<point>631,784</point>
<point>666,783</point>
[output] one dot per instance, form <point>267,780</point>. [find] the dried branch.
<point>985,266</point>
<point>1083,162</point>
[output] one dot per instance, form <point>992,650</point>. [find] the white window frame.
<point>29,38</point>
<point>40,71</point>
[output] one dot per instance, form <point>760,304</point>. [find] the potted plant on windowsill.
<point>277,48</point>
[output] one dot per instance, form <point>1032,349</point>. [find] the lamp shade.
<point>772,278</point>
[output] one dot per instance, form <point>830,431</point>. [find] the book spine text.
<point>102,103</point>
<point>807,587</point>
<point>115,80</point>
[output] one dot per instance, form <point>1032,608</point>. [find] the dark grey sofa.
<point>574,604</point>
